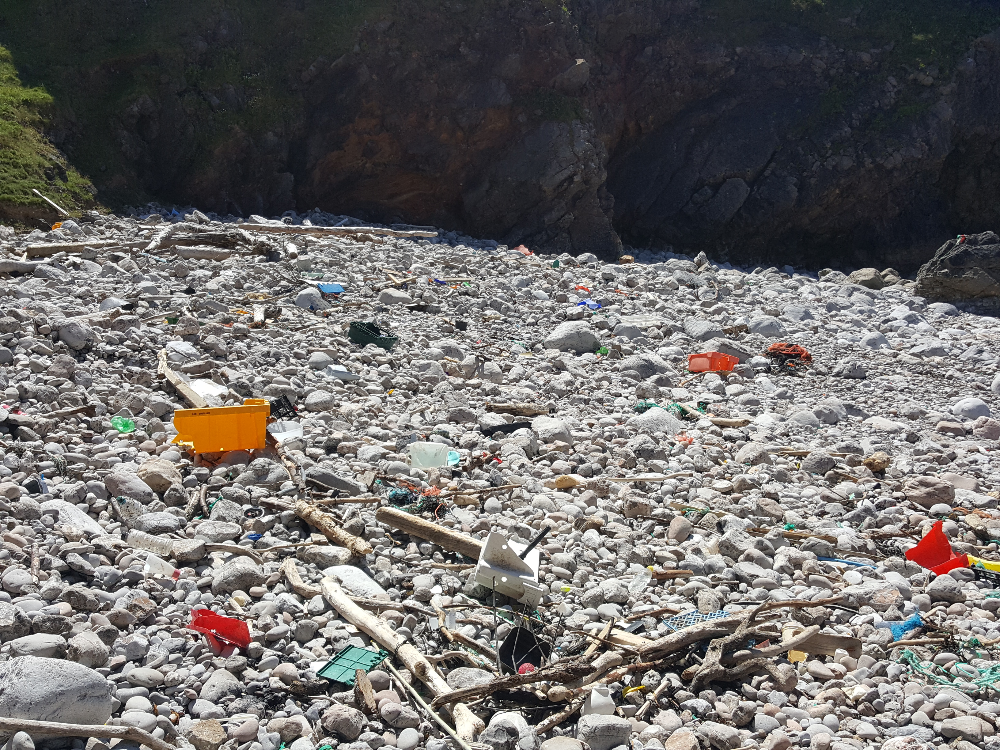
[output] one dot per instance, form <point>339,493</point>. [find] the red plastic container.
<point>934,552</point>
<point>219,629</point>
<point>711,362</point>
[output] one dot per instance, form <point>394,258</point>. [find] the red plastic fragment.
<point>934,552</point>
<point>219,629</point>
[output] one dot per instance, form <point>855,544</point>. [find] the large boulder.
<point>966,268</point>
<point>43,689</point>
<point>573,336</point>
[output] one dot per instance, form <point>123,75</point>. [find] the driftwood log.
<point>467,724</point>
<point>453,541</point>
<point>38,729</point>
<point>179,384</point>
<point>561,672</point>
<point>331,529</point>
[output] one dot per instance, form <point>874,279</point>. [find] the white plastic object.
<point>639,581</point>
<point>598,702</point>
<point>282,432</point>
<point>341,373</point>
<point>155,544</point>
<point>157,567</point>
<point>428,455</point>
<point>502,570</point>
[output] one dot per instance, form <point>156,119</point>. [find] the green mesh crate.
<point>341,668</point>
<point>362,334</point>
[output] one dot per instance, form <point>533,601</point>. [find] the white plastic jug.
<point>598,702</point>
<point>428,455</point>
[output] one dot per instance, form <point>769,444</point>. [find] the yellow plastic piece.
<point>226,428</point>
<point>978,562</point>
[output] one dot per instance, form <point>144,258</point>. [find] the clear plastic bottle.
<point>155,544</point>
<point>639,581</point>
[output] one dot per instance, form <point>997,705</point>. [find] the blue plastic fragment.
<point>899,629</point>
<point>331,288</point>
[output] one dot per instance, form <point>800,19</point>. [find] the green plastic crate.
<point>341,668</point>
<point>362,334</point>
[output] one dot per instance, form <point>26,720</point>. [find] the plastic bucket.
<point>711,362</point>
<point>227,428</point>
<point>428,455</point>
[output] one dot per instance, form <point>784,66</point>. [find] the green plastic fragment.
<point>123,425</point>
<point>342,667</point>
<point>603,351</point>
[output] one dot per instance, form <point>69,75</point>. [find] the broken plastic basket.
<point>342,667</point>
<point>362,334</point>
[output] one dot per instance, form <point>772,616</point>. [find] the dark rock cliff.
<point>799,130</point>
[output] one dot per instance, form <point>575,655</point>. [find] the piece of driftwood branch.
<point>453,541</point>
<point>18,266</point>
<point>346,232</point>
<point>234,549</point>
<point>39,729</point>
<point>518,410</point>
<point>331,529</point>
<point>558,718</point>
<point>179,384</point>
<point>459,739</point>
<point>46,249</point>
<point>467,724</point>
<point>560,672</point>
<point>201,252</point>
<point>364,694</point>
<point>300,587</point>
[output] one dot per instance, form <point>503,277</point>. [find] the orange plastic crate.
<point>711,362</point>
<point>225,428</point>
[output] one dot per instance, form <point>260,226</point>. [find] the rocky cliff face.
<point>795,130</point>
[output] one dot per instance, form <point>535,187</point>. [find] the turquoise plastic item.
<point>342,667</point>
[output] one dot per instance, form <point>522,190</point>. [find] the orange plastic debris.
<point>226,428</point>
<point>711,362</point>
<point>789,351</point>
<point>523,250</point>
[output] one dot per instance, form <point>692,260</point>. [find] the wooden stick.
<point>651,699</point>
<point>561,672</point>
<point>556,719</point>
<point>453,541</point>
<point>300,587</point>
<point>234,549</point>
<point>186,391</point>
<point>345,500</point>
<point>58,729</point>
<point>52,203</point>
<point>364,695</point>
<point>605,632</point>
<point>328,525</point>
<point>467,723</point>
<point>347,232</point>
<point>459,739</point>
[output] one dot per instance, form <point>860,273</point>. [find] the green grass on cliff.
<point>27,159</point>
